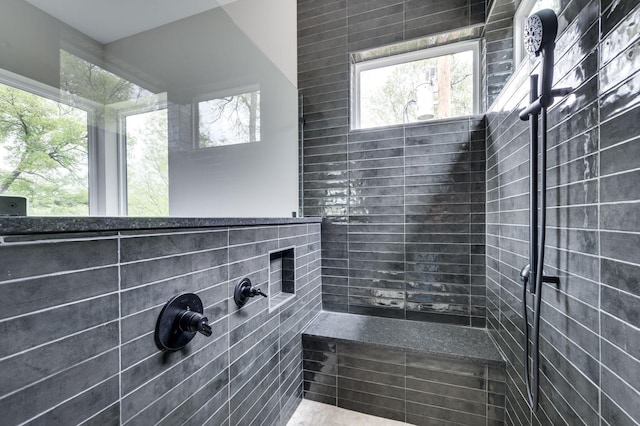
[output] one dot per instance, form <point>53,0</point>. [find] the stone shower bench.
<point>416,372</point>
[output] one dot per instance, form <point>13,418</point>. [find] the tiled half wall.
<point>78,317</point>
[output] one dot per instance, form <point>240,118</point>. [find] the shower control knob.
<point>179,321</point>
<point>192,322</point>
<point>255,291</point>
<point>244,290</point>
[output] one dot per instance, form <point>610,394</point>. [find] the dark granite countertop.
<point>451,341</point>
<point>51,224</point>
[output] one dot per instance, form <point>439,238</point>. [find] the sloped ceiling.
<point>109,20</point>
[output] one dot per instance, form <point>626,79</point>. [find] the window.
<point>44,150</point>
<point>228,120</point>
<point>147,163</point>
<point>434,83</point>
<point>526,8</point>
<point>96,145</point>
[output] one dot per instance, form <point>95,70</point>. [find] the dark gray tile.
<point>32,330</point>
<point>37,364</point>
<point>108,417</point>
<point>443,390</point>
<point>621,363</point>
<point>213,280</point>
<point>618,245</point>
<point>617,390</point>
<point>20,261</point>
<point>240,362</point>
<point>41,293</point>
<point>217,404</point>
<point>31,401</point>
<point>264,362</point>
<point>154,378</point>
<point>368,364</point>
<point>138,248</point>
<point>320,389</point>
<point>477,407</point>
<point>136,274</point>
<point>84,406</point>
<point>250,393</point>
<point>612,414</point>
<point>324,399</point>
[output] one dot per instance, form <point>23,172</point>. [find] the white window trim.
<point>358,68</point>
<point>124,110</point>
<point>522,13</point>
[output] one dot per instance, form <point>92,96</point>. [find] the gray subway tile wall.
<point>373,240</point>
<point>589,329</point>
<point>498,49</point>
<point>403,207</point>
<point>77,327</point>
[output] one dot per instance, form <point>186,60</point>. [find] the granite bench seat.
<point>415,372</point>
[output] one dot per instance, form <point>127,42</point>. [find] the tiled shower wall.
<point>590,327</point>
<point>403,234</point>
<point>78,317</point>
<point>498,48</point>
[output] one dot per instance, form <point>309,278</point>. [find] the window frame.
<point>522,13</point>
<point>107,196</point>
<point>123,112</point>
<point>431,52</point>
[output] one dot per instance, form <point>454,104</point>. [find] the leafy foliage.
<point>229,120</point>
<point>44,143</point>
<point>44,153</point>
<point>148,165</point>
<point>386,93</point>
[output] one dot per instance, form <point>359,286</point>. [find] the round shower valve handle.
<point>179,321</point>
<point>192,322</point>
<point>245,290</point>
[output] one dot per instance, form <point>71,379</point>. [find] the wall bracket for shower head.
<point>179,321</point>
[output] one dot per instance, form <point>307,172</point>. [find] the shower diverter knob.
<point>244,290</point>
<point>179,321</point>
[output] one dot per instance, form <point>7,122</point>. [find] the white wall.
<point>207,54</point>
<point>272,26</point>
<point>189,59</point>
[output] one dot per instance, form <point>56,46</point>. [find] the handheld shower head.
<point>540,31</point>
<point>539,37</point>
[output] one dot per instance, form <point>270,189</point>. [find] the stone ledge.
<point>56,224</point>
<point>442,340</point>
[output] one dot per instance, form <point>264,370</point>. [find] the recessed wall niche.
<point>282,279</point>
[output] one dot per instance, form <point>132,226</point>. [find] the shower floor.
<point>311,413</point>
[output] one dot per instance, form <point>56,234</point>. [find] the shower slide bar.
<point>540,34</point>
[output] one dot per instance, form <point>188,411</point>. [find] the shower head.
<point>540,31</point>
<point>539,38</point>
